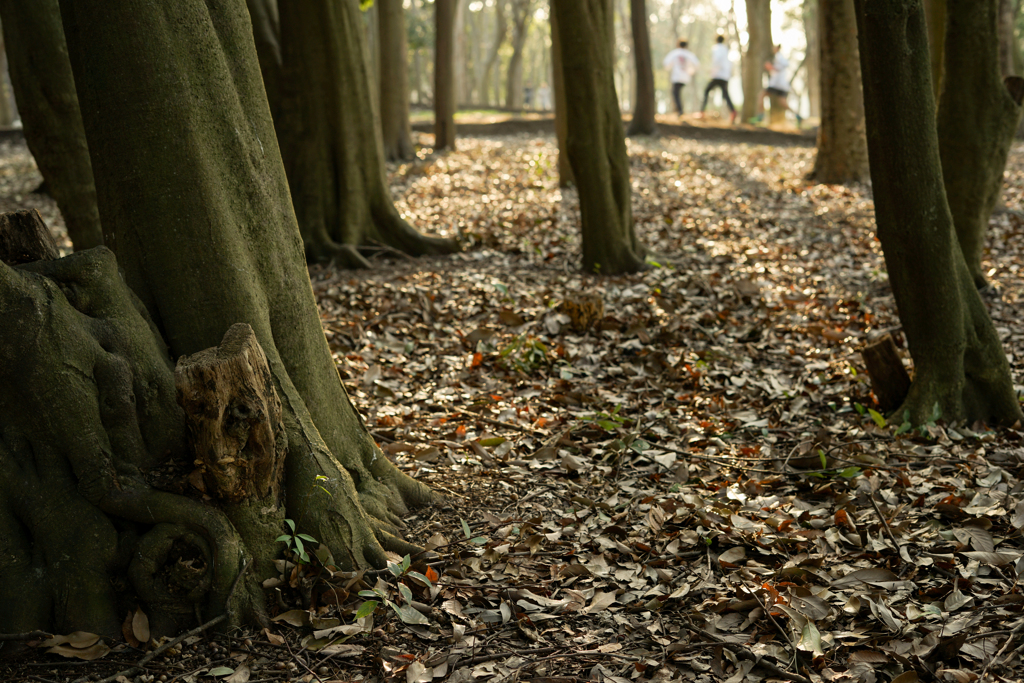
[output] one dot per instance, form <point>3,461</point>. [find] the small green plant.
<point>296,542</point>
<point>525,353</point>
<point>381,594</point>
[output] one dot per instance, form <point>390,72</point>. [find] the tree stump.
<point>24,238</point>
<point>777,114</point>
<point>889,379</point>
<point>234,418</point>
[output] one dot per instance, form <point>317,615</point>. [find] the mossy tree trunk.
<point>444,74</point>
<point>977,120</point>
<point>266,31</point>
<point>935,20</point>
<point>191,185</point>
<point>960,370</point>
<point>595,138</point>
<point>45,92</point>
<point>394,80</point>
<point>565,178</point>
<point>330,138</point>
<point>643,110</point>
<point>842,146</point>
<point>759,51</point>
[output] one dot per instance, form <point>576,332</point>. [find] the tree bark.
<point>45,91</point>
<point>6,110</point>
<point>330,138</point>
<point>935,18</point>
<point>842,145</point>
<point>1007,46</point>
<point>643,108</point>
<point>759,51</point>
<point>266,32</point>
<point>522,12</point>
<point>976,123</point>
<point>192,187</point>
<point>394,81</point>
<point>813,58</point>
<point>493,61</point>
<point>444,74</point>
<point>595,140</point>
<point>960,370</point>
<point>565,177</point>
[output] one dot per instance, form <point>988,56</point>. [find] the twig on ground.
<point>885,524</point>
<point>1013,634</point>
<point>744,653</point>
<point>31,635</point>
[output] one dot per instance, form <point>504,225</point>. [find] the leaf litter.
<point>676,475</point>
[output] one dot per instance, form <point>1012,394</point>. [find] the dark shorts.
<point>775,92</point>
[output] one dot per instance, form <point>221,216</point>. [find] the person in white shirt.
<point>721,71</point>
<point>778,86</point>
<point>682,64</point>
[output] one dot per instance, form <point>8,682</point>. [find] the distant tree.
<point>643,109</point>
<point>6,108</point>
<point>960,370</point>
<point>813,58</point>
<point>565,178</point>
<point>977,120</point>
<point>44,89</point>
<point>444,74</point>
<point>759,51</point>
<point>596,140</point>
<point>493,62</point>
<point>394,80</point>
<point>522,13</point>
<point>842,146</point>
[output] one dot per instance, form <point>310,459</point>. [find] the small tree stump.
<point>889,379</point>
<point>24,238</point>
<point>777,114</point>
<point>234,417</point>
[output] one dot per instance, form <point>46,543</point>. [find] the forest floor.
<point>682,478</point>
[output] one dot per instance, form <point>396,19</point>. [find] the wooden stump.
<point>889,379</point>
<point>777,115</point>
<point>24,238</point>
<point>234,418</point>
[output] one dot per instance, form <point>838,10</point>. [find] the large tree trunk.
<point>565,178</point>
<point>960,370</point>
<point>45,91</point>
<point>444,74</point>
<point>976,124</point>
<point>330,139</point>
<point>266,31</point>
<point>394,81</point>
<point>596,141</point>
<point>192,188</point>
<point>935,18</point>
<point>842,146</point>
<point>813,58</point>
<point>759,51</point>
<point>1007,46</point>
<point>643,108</point>
<point>522,12</point>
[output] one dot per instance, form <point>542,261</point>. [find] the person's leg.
<point>725,96</point>
<point>677,90</point>
<point>707,91</point>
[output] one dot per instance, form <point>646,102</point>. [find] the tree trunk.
<point>935,18</point>
<point>842,146</point>
<point>45,90</point>
<point>813,58</point>
<point>960,370</point>
<point>444,74</point>
<point>759,51</point>
<point>565,178</point>
<point>6,110</point>
<point>330,138</point>
<point>266,31</point>
<point>596,141</point>
<point>193,190</point>
<point>976,124</point>
<point>493,61</point>
<point>643,107</point>
<point>1007,42</point>
<point>394,81</point>
<point>522,12</point>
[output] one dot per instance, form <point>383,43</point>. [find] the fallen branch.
<point>31,635</point>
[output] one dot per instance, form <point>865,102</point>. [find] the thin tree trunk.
<point>493,61</point>
<point>842,146</point>
<point>45,90</point>
<point>960,370</point>
<point>813,58</point>
<point>643,108</point>
<point>976,123</point>
<point>331,141</point>
<point>6,110</point>
<point>444,74</point>
<point>935,16</point>
<point>759,51</point>
<point>522,12</point>
<point>394,81</point>
<point>1007,46</point>
<point>565,178</point>
<point>596,141</point>
<point>460,74</point>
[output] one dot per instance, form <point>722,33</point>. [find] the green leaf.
<point>420,577</point>
<point>369,594</point>
<point>608,425</point>
<point>824,460</point>
<point>306,537</point>
<point>299,547</point>
<point>221,671</point>
<point>810,639</point>
<point>405,564</point>
<point>291,525</point>
<point>877,417</point>
<point>364,5</point>
<point>492,442</point>
<point>479,540</point>
<point>405,591</point>
<point>367,608</point>
<point>283,538</point>
<point>936,413</point>
<point>859,408</point>
<point>501,288</point>
<point>409,614</point>
<point>465,528</point>
<point>394,569</point>
<point>903,428</point>
<point>850,472</point>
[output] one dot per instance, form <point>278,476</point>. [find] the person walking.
<point>721,72</point>
<point>682,64</point>
<point>778,87</point>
